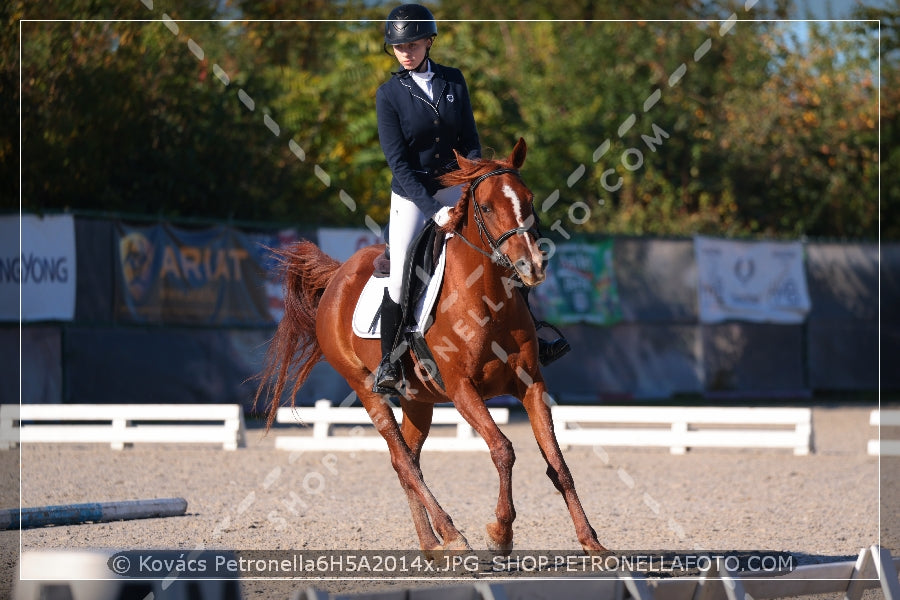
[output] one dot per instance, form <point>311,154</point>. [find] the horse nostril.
<point>523,266</point>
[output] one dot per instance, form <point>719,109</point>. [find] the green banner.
<point>580,286</point>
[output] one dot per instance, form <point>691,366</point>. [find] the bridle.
<point>494,244</point>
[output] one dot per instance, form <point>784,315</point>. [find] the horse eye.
<point>485,208</point>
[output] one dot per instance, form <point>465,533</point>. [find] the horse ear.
<point>462,161</point>
<point>517,158</point>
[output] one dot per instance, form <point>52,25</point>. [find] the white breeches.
<point>406,223</point>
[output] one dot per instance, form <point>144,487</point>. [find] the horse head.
<point>497,204</point>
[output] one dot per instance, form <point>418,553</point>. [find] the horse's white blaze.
<point>517,204</point>
<point>536,256</point>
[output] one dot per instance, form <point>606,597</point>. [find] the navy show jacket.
<point>418,135</point>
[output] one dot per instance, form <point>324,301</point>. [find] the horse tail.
<point>294,349</point>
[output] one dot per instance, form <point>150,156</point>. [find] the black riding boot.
<point>389,375</point>
<point>548,351</point>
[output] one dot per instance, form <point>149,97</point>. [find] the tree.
<point>634,127</point>
<point>803,149</point>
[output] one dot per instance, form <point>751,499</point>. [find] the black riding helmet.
<point>408,23</point>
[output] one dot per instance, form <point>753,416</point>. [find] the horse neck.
<point>480,282</point>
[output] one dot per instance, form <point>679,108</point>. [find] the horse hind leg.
<point>414,429</point>
<point>410,475</point>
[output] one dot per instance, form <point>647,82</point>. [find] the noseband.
<point>494,243</point>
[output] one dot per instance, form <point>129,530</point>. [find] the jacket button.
<point>437,155</point>
<point>437,139</point>
<point>437,121</point>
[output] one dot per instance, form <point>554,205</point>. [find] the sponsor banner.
<point>580,286</point>
<point>209,276</point>
<point>763,282</point>
<point>45,270</point>
<point>341,244</point>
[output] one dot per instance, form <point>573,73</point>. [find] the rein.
<point>495,255</point>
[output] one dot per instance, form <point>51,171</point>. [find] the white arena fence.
<point>122,424</point>
<point>680,428</point>
<point>677,428</point>
<point>888,442</point>
<point>360,434</point>
<point>336,428</point>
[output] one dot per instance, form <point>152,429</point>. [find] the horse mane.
<point>469,171</point>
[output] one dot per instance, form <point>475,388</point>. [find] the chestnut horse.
<point>483,330</point>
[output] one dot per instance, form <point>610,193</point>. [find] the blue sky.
<point>827,9</point>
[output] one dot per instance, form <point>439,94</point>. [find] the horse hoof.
<point>452,548</point>
<point>431,553</point>
<point>460,544</point>
<point>499,544</point>
<point>500,549</point>
<point>595,549</point>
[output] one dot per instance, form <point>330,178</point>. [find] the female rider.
<point>424,114</point>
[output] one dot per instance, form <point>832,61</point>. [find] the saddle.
<point>422,277</point>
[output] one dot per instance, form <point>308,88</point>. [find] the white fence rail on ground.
<point>680,428</point>
<point>122,424</point>
<point>874,568</point>
<point>885,420</point>
<point>361,436</point>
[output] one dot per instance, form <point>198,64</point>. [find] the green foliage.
<point>634,127</point>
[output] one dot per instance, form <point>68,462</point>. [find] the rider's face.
<point>411,54</point>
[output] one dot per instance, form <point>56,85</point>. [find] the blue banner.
<point>209,276</point>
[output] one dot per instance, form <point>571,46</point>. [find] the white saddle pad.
<point>367,323</point>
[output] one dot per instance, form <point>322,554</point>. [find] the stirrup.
<point>388,377</point>
<point>550,351</point>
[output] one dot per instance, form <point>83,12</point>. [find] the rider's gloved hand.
<point>442,217</point>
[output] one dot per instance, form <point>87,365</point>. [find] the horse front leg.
<point>471,406</point>
<point>557,470</point>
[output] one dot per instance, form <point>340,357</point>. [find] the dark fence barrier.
<point>658,349</point>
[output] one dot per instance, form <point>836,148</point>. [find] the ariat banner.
<point>209,276</point>
<point>44,271</point>
<point>580,286</point>
<point>763,282</point>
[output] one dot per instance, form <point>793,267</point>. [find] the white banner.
<point>340,244</point>
<point>751,281</point>
<point>45,270</point>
